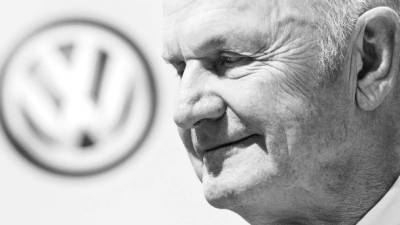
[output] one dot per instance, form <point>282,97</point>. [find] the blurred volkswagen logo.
<point>77,97</point>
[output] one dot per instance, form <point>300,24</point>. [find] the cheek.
<point>271,109</point>
<point>266,102</point>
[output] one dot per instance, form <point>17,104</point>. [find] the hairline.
<point>340,17</point>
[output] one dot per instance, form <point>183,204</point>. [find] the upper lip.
<point>224,144</point>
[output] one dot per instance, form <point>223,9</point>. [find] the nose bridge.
<point>197,100</point>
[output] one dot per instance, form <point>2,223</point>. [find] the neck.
<point>341,211</point>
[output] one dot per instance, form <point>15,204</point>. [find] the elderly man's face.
<point>263,128</point>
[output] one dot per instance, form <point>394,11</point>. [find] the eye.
<point>180,67</point>
<point>229,60</point>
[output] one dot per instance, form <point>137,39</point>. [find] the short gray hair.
<point>336,26</point>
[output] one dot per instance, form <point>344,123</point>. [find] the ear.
<point>376,45</point>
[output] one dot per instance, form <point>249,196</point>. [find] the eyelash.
<point>224,61</point>
<point>229,60</point>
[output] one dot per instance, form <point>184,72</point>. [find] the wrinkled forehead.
<point>188,7</point>
<point>184,7</point>
<point>256,11</point>
<point>250,24</point>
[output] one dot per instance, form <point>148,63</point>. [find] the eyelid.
<point>234,58</point>
<point>238,52</point>
<point>232,55</point>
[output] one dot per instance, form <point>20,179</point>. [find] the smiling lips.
<point>229,144</point>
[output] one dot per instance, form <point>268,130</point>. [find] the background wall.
<point>155,186</point>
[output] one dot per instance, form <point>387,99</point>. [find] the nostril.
<point>197,123</point>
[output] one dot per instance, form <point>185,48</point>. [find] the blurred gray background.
<point>155,186</point>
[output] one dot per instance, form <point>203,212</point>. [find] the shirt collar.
<point>387,211</point>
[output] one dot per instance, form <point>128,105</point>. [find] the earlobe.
<point>377,43</point>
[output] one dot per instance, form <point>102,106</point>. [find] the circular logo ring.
<point>107,159</point>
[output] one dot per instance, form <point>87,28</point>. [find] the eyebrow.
<point>210,46</point>
<point>215,42</point>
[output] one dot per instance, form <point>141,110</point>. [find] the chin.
<point>237,176</point>
<point>235,187</point>
<point>222,196</point>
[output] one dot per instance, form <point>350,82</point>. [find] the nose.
<point>197,97</point>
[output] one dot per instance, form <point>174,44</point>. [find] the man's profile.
<point>290,110</point>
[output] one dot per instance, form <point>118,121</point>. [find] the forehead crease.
<point>222,27</point>
<point>211,33</point>
<point>242,26</point>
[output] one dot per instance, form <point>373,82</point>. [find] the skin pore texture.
<point>269,136</point>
